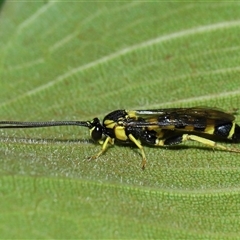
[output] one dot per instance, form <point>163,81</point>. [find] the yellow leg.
<point>104,147</point>
<point>138,144</point>
<point>208,142</point>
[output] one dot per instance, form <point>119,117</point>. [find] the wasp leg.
<point>185,137</point>
<point>138,144</point>
<point>208,142</point>
<point>104,147</point>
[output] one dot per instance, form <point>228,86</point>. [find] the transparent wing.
<point>197,117</point>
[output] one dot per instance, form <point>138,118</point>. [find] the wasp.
<point>157,127</point>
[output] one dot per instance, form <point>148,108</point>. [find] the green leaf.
<point>1,3</point>
<point>77,61</point>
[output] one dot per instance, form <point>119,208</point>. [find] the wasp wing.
<point>197,117</point>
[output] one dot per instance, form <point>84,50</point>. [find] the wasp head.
<point>96,129</point>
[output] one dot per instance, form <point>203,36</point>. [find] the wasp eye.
<point>96,133</point>
<point>96,129</point>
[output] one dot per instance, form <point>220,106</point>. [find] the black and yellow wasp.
<point>157,127</point>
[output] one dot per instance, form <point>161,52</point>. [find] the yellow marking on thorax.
<point>109,124</point>
<point>120,133</point>
<point>159,142</point>
<point>131,114</point>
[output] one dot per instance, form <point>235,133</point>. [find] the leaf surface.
<point>77,61</point>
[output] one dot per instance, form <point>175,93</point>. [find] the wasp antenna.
<point>16,124</point>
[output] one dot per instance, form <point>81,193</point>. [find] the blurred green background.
<point>79,60</point>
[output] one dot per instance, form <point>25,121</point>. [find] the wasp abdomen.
<point>223,130</point>
<point>236,134</point>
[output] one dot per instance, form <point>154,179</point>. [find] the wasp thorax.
<point>96,130</point>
